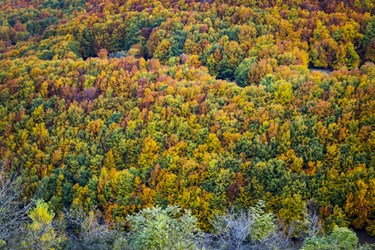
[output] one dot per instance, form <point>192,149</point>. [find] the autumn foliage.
<point>123,105</point>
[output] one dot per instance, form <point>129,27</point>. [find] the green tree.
<point>264,223</point>
<point>352,59</point>
<point>340,238</point>
<point>369,34</point>
<point>293,215</point>
<point>158,228</point>
<point>241,73</point>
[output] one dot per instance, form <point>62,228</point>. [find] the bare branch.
<point>13,212</point>
<point>85,231</point>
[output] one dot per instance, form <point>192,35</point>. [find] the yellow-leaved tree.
<point>41,233</point>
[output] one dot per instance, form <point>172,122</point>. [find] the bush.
<point>158,228</point>
<point>340,238</point>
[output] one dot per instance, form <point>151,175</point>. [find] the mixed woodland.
<point>124,122</point>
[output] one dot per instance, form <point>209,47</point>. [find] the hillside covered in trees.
<point>120,116</point>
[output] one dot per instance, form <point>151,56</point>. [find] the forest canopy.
<point>119,109</point>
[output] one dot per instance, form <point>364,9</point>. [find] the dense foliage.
<point>116,106</point>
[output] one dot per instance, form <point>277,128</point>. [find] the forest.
<point>187,124</point>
